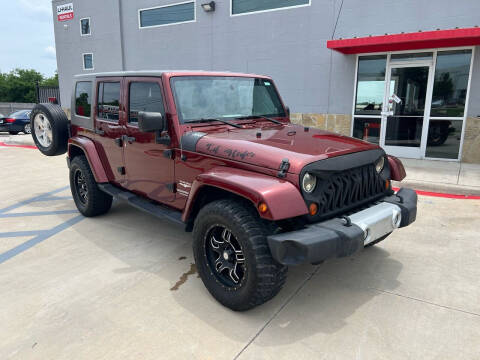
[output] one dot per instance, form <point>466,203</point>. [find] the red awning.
<point>407,41</point>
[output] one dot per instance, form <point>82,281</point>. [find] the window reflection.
<point>370,85</point>
<point>367,129</point>
<point>451,81</point>
<point>444,139</point>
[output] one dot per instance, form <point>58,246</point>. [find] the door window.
<point>408,89</point>
<point>144,96</point>
<point>108,101</point>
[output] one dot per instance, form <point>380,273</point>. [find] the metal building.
<point>404,74</point>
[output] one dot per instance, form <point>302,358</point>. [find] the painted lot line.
<point>37,235</point>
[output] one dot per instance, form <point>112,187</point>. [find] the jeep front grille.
<point>341,192</point>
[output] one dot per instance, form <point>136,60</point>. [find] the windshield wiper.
<point>215,119</point>
<point>261,117</point>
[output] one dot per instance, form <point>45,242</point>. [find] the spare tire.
<point>49,126</point>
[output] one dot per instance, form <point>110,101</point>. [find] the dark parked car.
<point>16,122</point>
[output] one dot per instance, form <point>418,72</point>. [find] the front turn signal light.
<point>262,207</point>
<point>313,209</point>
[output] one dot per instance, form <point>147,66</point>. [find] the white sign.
<point>65,12</point>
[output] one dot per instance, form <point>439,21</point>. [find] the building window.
<point>144,96</point>
<point>167,15</point>
<point>108,100</point>
<point>451,81</point>
<point>239,7</point>
<point>83,98</point>
<point>85,26</point>
<point>88,61</point>
<point>369,97</point>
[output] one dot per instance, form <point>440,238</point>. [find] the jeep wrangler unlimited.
<point>217,152</point>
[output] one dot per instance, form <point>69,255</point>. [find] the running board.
<point>141,203</point>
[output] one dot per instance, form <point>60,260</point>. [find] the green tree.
<point>51,81</point>
<point>19,85</point>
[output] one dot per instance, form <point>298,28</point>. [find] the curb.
<point>441,188</point>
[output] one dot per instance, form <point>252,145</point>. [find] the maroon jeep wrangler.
<point>217,153</point>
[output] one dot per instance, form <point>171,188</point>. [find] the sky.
<point>26,36</point>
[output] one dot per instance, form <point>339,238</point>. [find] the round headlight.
<point>380,164</point>
<point>309,182</point>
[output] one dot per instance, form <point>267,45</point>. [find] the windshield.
<point>209,97</point>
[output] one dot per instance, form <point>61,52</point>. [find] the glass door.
<point>406,109</point>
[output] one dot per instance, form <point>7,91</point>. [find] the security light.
<point>209,7</point>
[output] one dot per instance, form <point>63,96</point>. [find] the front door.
<point>149,168</point>
<point>405,110</point>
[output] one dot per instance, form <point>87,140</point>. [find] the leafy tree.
<point>19,85</point>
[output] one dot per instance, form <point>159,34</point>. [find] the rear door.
<point>110,127</point>
<point>149,166</point>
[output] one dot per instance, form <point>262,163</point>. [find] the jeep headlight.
<point>380,164</point>
<point>309,182</point>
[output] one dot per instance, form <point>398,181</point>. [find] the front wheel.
<point>232,255</point>
<point>89,199</point>
<point>27,129</point>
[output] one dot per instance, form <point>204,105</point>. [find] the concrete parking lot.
<point>124,286</point>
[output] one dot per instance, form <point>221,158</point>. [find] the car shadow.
<point>323,296</point>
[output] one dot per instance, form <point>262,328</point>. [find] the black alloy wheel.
<point>81,186</point>
<point>225,256</point>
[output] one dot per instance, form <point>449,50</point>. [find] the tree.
<point>19,85</point>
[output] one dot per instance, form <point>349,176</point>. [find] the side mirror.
<point>288,111</point>
<point>150,121</point>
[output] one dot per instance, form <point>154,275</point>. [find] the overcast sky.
<point>26,33</point>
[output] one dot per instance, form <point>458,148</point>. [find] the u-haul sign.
<point>65,12</point>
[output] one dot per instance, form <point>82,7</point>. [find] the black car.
<point>16,122</point>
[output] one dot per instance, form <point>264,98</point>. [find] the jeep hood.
<point>267,146</point>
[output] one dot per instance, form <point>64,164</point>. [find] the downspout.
<point>122,40</point>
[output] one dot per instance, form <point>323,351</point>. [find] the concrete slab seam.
<point>289,299</point>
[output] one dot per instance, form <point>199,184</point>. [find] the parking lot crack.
<point>425,302</point>
<point>274,315</point>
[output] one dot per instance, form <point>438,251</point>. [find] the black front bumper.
<point>333,238</point>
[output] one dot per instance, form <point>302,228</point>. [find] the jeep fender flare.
<point>282,198</point>
<point>87,146</point>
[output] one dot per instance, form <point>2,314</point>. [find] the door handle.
<point>129,139</point>
<point>99,132</point>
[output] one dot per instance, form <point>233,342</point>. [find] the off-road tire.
<point>263,277</point>
<point>59,125</point>
<point>13,132</point>
<point>377,241</point>
<point>97,202</point>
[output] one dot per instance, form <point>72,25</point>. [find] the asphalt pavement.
<point>124,286</point>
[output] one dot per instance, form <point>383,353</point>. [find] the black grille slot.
<point>343,191</point>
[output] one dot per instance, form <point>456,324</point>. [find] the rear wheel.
<point>49,125</point>
<point>89,199</point>
<point>232,255</point>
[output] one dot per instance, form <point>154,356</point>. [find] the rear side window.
<point>108,100</point>
<point>83,98</point>
<point>144,96</point>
